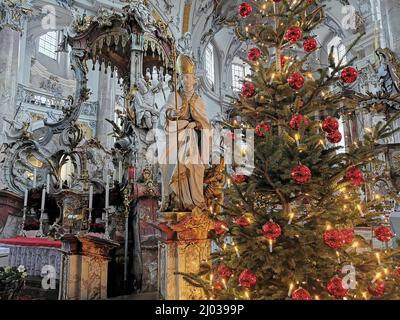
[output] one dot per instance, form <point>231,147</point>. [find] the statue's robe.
<point>186,182</point>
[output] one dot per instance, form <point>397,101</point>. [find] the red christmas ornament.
<point>296,81</point>
<point>131,172</point>
<point>254,54</point>
<point>271,230</point>
<point>297,121</point>
<point>277,1</point>
<point>242,221</point>
<point>330,124</point>
<point>383,234</point>
<point>225,272</point>
<point>377,289</point>
<point>334,137</point>
<point>293,34</point>
<point>301,294</point>
<point>248,90</point>
<point>397,272</point>
<point>220,227</point>
<point>348,235</point>
<point>301,174</point>
<point>238,178</point>
<point>245,9</point>
<point>262,129</point>
<point>310,44</point>
<point>349,75</point>
<point>335,288</point>
<point>334,238</point>
<point>247,279</point>
<point>355,176</point>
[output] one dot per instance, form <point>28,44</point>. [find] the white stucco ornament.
<point>13,13</point>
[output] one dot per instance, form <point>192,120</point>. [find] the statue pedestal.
<point>184,254</point>
<point>85,267</point>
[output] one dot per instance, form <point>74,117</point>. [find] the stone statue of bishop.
<point>183,145</point>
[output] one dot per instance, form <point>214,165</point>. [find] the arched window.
<point>339,50</point>
<point>67,170</point>
<point>342,143</point>
<point>238,71</point>
<point>209,63</point>
<point>48,44</point>
<point>339,55</point>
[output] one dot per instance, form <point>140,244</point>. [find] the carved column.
<point>9,42</point>
<point>183,253</point>
<point>106,108</point>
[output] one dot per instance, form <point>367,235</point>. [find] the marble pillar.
<point>390,10</point>
<point>107,90</point>
<point>24,59</point>
<point>9,47</point>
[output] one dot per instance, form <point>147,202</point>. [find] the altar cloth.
<point>31,242</point>
<point>34,254</point>
<point>4,251</point>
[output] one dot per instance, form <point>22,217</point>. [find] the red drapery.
<point>31,242</point>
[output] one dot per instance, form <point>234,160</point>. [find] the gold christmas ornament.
<point>185,65</point>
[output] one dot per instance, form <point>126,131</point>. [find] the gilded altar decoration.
<point>82,23</point>
<point>214,183</point>
<point>193,227</point>
<point>151,187</point>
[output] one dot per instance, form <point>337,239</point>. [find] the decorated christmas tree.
<point>291,228</point>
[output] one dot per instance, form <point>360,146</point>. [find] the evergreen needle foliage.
<point>300,258</point>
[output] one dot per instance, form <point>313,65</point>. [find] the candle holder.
<point>41,233</point>
<point>106,218</point>
<point>90,217</point>
<point>86,220</point>
<point>127,204</point>
<point>21,227</point>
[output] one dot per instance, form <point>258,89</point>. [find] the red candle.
<point>131,172</point>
